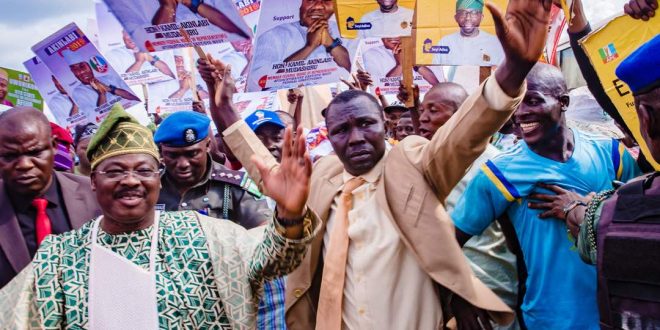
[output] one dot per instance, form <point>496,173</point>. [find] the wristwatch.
<point>335,43</point>
<point>113,89</point>
<point>572,205</point>
<point>194,5</point>
<point>154,60</point>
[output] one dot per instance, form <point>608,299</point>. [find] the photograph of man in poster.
<point>128,58</point>
<point>385,61</point>
<point>93,91</point>
<point>312,37</point>
<point>170,11</point>
<point>470,45</point>
<point>389,20</point>
<point>4,88</point>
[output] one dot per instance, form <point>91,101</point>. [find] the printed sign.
<point>375,18</point>
<point>84,74</point>
<point>458,32</point>
<point>18,89</point>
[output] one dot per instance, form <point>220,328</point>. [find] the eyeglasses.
<point>466,13</point>
<point>118,175</point>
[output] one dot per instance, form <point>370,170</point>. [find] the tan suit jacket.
<point>81,206</point>
<point>418,176</point>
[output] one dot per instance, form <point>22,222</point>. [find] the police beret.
<point>641,69</point>
<point>260,117</point>
<point>182,129</point>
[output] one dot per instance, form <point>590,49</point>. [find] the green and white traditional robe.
<point>209,273</point>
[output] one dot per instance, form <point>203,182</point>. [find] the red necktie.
<point>42,223</point>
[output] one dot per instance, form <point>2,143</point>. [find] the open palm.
<point>522,30</point>
<point>288,183</point>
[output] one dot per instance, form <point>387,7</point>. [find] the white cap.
<point>71,57</point>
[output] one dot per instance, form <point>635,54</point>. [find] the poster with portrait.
<point>18,89</point>
<point>154,24</point>
<point>84,74</point>
<point>381,57</point>
<point>237,54</point>
<point>606,48</point>
<point>175,95</point>
<point>250,10</point>
<point>457,32</point>
<point>133,65</point>
<point>57,99</point>
<point>375,18</point>
<point>298,44</point>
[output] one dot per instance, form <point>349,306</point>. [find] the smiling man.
<point>4,84</point>
<point>471,45</point>
<point>35,200</point>
<point>389,20</point>
<point>137,268</point>
<point>560,288</point>
<point>193,181</point>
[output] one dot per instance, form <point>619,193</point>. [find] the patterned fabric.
<point>271,315</point>
<point>209,273</point>
<point>120,134</point>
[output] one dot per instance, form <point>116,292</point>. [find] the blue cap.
<point>260,117</point>
<point>182,129</point>
<point>641,69</point>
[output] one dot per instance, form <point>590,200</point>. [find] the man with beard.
<point>193,181</point>
<point>137,268</point>
<point>375,244</point>
<point>389,20</point>
<point>129,58</point>
<point>4,83</point>
<point>550,153</point>
<point>93,91</point>
<point>35,200</point>
<point>312,37</point>
<point>470,45</point>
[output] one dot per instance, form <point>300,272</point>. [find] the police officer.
<point>192,181</point>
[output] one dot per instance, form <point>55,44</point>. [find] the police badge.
<point>190,135</point>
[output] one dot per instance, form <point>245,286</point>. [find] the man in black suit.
<point>35,200</point>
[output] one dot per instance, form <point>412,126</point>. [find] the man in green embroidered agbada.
<point>137,268</point>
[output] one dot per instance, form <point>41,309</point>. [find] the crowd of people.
<point>504,208</point>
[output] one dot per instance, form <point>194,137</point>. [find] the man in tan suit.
<point>402,266</point>
<point>27,151</point>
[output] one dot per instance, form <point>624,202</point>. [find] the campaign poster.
<point>606,48</point>
<point>175,95</point>
<point>250,10</point>
<point>18,89</point>
<point>381,57</point>
<point>133,65</point>
<point>57,99</point>
<point>247,103</point>
<point>375,18</point>
<point>237,54</point>
<point>457,32</point>
<point>154,25</point>
<point>298,44</point>
<point>84,74</point>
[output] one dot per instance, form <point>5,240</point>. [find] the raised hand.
<point>364,78</point>
<point>99,87</point>
<point>225,87</point>
<point>641,9</point>
<point>288,183</point>
<point>522,31</point>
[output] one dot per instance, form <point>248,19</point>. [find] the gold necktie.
<point>328,316</point>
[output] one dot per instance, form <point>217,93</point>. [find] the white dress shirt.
<point>385,288</point>
<point>396,24</point>
<point>483,50</point>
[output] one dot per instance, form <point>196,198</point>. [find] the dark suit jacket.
<point>81,206</point>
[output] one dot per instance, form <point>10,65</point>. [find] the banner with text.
<point>373,19</point>
<point>607,47</point>
<point>18,89</point>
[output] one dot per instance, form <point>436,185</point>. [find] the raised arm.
<point>522,31</point>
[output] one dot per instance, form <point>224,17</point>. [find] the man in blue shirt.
<point>561,289</point>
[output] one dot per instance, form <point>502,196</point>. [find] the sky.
<point>26,22</point>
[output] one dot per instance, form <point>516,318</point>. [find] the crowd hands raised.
<point>391,210</point>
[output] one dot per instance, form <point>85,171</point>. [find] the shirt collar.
<point>372,176</point>
<point>51,195</point>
